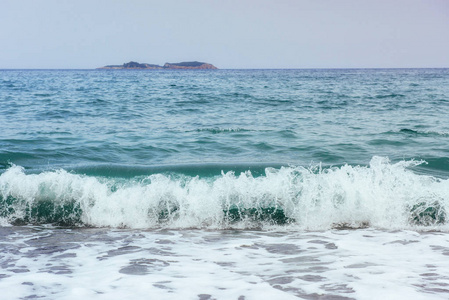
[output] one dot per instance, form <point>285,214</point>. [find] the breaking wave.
<point>382,195</point>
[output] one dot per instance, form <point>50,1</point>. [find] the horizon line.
<point>304,68</point>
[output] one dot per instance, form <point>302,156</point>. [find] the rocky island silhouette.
<point>182,65</point>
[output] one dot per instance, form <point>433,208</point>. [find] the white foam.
<point>358,264</point>
<point>381,195</point>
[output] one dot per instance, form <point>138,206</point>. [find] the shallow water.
<point>229,264</point>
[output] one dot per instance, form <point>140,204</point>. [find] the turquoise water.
<point>145,149</point>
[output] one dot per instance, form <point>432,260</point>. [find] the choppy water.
<point>120,157</point>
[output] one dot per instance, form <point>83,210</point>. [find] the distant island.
<point>189,65</point>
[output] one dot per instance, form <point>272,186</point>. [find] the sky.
<point>231,34</point>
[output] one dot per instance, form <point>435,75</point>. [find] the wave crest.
<point>383,194</point>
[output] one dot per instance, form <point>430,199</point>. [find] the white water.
<point>381,196</point>
<point>184,264</point>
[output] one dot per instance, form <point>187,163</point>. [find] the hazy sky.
<point>227,33</point>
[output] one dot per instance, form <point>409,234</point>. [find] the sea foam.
<point>381,195</point>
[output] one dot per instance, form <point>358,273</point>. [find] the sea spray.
<point>382,195</point>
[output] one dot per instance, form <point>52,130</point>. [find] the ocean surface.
<point>224,184</point>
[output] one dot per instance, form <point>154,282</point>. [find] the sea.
<point>224,184</point>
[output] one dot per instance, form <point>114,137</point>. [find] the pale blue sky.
<point>229,34</point>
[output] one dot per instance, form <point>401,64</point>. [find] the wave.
<point>392,95</point>
<point>382,195</point>
<point>429,133</point>
<point>216,130</point>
